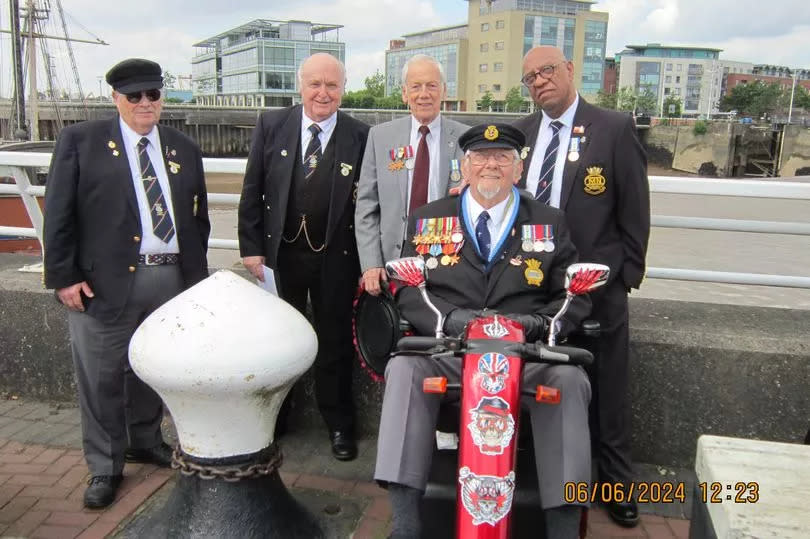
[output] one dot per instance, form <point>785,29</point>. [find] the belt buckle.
<point>154,260</point>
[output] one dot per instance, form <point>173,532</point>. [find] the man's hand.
<point>372,278</point>
<point>535,326</point>
<point>71,296</point>
<point>456,320</point>
<point>254,266</point>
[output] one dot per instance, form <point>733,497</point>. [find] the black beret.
<point>485,136</point>
<point>135,74</point>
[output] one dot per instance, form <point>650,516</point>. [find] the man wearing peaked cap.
<point>126,229</point>
<point>507,253</point>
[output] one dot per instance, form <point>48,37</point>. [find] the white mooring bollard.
<point>223,355</point>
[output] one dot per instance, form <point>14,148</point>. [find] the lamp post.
<point>792,93</point>
<point>99,77</point>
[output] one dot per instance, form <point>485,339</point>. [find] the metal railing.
<point>17,165</point>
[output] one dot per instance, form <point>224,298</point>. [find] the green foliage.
<point>606,100</point>
<point>801,97</point>
<point>700,128</point>
<point>173,100</point>
<point>373,95</point>
<point>485,103</point>
<point>672,107</point>
<point>626,99</point>
<point>647,101</point>
<point>514,101</point>
<point>753,99</point>
<point>169,80</point>
<point>375,84</point>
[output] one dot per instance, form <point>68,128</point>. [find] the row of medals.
<point>538,245</point>
<point>448,245</point>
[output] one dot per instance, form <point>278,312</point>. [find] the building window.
<point>482,68</point>
<point>669,67</point>
<point>484,47</point>
<point>678,67</point>
<point>668,78</point>
<point>498,66</point>
<point>500,24</point>
<point>677,91</point>
<point>496,87</point>
<point>499,45</point>
<point>485,27</point>
<point>482,88</point>
<point>677,79</point>
<point>666,91</point>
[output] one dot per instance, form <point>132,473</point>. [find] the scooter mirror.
<point>410,271</point>
<point>584,277</point>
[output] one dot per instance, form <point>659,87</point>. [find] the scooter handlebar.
<point>419,344</point>
<point>560,355</point>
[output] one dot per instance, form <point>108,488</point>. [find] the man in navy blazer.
<point>589,163</point>
<point>126,229</point>
<point>296,216</point>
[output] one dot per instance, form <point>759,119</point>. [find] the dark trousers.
<point>300,274</point>
<point>117,408</point>
<point>610,404</point>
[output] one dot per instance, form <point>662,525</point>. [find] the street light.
<point>792,92</point>
<point>99,77</point>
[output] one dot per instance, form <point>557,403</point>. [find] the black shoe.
<point>624,514</point>
<point>101,490</point>
<point>160,455</point>
<point>343,445</point>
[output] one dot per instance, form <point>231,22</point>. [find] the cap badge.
<point>491,133</point>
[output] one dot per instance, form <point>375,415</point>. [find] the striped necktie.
<point>162,225</point>
<point>543,192</point>
<point>313,154</point>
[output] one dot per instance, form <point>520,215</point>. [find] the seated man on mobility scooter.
<point>491,249</point>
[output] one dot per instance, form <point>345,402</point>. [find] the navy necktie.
<point>313,154</point>
<point>543,192</point>
<point>162,225</point>
<point>482,235</point>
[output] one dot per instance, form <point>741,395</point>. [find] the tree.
<point>514,101</point>
<point>801,98</point>
<point>672,107</point>
<point>647,101</point>
<point>752,99</point>
<point>375,84</point>
<point>626,99</point>
<point>485,103</point>
<point>606,100</point>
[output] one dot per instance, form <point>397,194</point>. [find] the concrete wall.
<point>697,368</point>
<point>796,152</point>
<point>707,154</point>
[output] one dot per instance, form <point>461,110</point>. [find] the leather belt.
<point>158,259</point>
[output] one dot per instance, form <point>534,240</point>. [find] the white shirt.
<point>150,244</point>
<point>498,223</point>
<point>432,140</point>
<point>538,155</point>
<point>327,128</point>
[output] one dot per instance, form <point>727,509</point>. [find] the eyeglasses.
<point>502,159</point>
<point>545,72</point>
<point>135,97</point>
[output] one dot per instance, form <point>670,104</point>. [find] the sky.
<point>775,32</point>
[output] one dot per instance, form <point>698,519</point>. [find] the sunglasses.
<point>135,97</point>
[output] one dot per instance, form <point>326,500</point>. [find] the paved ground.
<point>43,475</point>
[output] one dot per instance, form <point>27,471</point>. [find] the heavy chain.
<point>232,474</point>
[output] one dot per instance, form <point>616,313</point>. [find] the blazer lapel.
<point>469,254</point>
<point>173,165</point>
<point>402,138</point>
<point>283,159</point>
<point>120,165</point>
<point>581,118</point>
<point>345,152</point>
<point>446,150</point>
<point>510,246</point>
<point>531,140</point>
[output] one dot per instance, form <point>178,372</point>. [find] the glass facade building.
<point>256,64</point>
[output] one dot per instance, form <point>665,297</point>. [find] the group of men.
<point>326,202</point>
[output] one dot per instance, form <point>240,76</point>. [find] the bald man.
<point>296,216</point>
<point>589,163</point>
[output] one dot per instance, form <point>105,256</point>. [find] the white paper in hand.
<point>269,283</point>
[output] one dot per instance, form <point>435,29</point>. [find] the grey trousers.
<point>117,409</point>
<point>408,422</point>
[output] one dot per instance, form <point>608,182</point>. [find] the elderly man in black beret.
<point>499,234</point>
<point>126,229</point>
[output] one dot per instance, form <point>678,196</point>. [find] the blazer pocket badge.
<point>345,169</point>
<point>111,145</point>
<point>533,273</point>
<point>174,168</point>
<point>595,181</point>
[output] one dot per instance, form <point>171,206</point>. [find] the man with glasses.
<point>296,216</point>
<point>126,229</point>
<point>488,238</point>
<point>408,162</point>
<point>589,163</point>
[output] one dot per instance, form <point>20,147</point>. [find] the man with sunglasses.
<point>489,264</point>
<point>126,229</point>
<point>589,163</point>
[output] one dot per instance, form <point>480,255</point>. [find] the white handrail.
<point>15,163</point>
